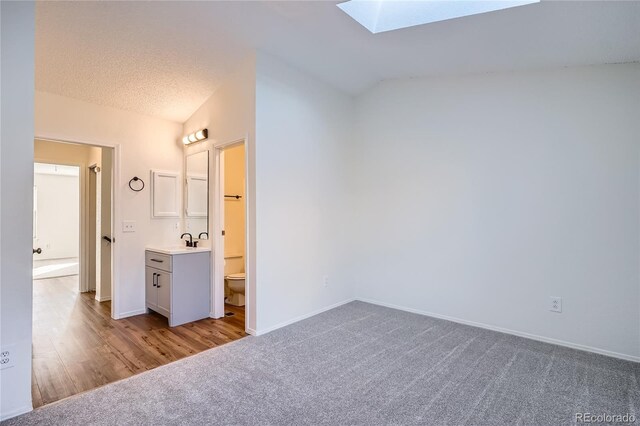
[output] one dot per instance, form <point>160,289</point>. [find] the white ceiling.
<point>166,58</point>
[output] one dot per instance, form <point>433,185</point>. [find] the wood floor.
<point>78,347</point>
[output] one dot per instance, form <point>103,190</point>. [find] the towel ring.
<point>136,179</point>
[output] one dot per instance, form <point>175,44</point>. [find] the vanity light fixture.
<point>198,136</point>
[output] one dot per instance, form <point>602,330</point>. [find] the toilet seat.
<point>238,276</point>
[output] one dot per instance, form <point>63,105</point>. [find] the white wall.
<point>57,215</point>
<point>480,197</point>
<point>229,114</point>
<point>146,143</point>
<point>302,129</point>
<point>17,29</point>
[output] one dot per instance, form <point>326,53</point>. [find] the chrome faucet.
<point>190,241</point>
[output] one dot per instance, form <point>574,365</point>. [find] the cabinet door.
<point>163,281</point>
<point>150,287</point>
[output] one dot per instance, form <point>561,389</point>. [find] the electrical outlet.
<point>128,226</point>
<point>7,357</point>
<point>325,281</point>
<point>555,304</point>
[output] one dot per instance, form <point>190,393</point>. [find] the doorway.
<point>72,265</point>
<point>100,233</point>
<point>56,220</point>
<point>232,295</point>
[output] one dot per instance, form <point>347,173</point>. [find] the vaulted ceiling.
<point>166,58</point>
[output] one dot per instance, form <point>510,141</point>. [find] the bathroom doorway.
<point>231,294</point>
<point>233,235</point>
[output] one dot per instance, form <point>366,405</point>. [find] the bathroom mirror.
<point>197,193</point>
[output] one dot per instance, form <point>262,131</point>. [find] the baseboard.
<point>131,313</point>
<point>507,331</point>
<point>300,318</point>
<point>103,299</point>
<point>16,412</point>
<point>251,331</point>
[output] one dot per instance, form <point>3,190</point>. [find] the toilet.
<point>235,283</point>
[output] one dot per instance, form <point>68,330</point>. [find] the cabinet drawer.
<point>158,260</point>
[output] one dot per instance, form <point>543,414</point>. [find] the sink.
<point>178,249</point>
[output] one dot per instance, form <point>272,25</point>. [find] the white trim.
<point>218,225</point>
<point>507,331</point>
<point>88,225</point>
<point>250,231</point>
<point>22,410</point>
<point>103,299</point>
<point>116,231</point>
<point>132,313</point>
<point>300,318</point>
<point>217,294</point>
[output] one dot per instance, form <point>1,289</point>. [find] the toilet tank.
<point>233,264</point>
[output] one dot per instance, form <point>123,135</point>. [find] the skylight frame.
<point>379,16</point>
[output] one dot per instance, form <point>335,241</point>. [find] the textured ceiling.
<point>165,58</point>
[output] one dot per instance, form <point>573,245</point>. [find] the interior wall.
<point>234,209</point>
<point>58,216</point>
<point>303,208</point>
<point>229,114</point>
<point>65,153</point>
<point>479,197</point>
<point>145,143</point>
<point>17,34</point>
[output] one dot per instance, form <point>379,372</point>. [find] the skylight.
<point>385,15</point>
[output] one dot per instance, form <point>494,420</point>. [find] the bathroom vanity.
<point>178,283</point>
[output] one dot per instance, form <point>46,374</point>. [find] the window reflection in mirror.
<point>197,194</point>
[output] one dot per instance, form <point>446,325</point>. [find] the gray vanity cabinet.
<point>158,290</point>
<point>177,286</point>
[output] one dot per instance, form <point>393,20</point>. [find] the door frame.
<point>83,223</point>
<point>216,221</point>
<point>115,214</point>
<point>88,252</point>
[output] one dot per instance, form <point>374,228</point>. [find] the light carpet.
<point>362,364</point>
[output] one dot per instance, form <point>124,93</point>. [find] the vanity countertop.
<point>178,249</point>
